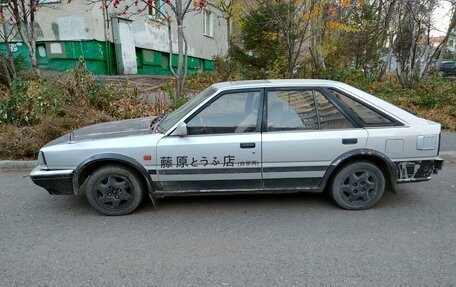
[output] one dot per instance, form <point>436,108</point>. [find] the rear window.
<point>365,114</point>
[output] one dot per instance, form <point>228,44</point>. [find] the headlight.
<point>41,159</point>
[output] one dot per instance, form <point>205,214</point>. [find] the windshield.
<point>171,119</point>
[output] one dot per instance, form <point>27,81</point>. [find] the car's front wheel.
<point>358,185</point>
<point>114,190</point>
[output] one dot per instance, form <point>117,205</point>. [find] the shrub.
<point>29,101</point>
<point>174,101</point>
<point>226,69</point>
<point>39,110</point>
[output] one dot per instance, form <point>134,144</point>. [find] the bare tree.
<point>8,69</point>
<point>444,43</point>
<point>229,8</point>
<point>180,8</point>
<point>23,13</point>
<point>175,12</point>
<point>412,51</point>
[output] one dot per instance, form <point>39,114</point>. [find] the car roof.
<point>274,83</point>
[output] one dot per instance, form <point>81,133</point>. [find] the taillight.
<point>440,139</point>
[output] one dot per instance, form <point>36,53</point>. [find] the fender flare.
<point>114,157</point>
<point>391,167</point>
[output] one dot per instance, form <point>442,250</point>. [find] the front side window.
<point>230,113</point>
<point>363,113</point>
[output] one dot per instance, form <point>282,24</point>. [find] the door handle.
<point>247,145</point>
<point>349,141</point>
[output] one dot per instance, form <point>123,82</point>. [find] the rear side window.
<point>303,110</point>
<point>291,110</point>
<point>366,115</point>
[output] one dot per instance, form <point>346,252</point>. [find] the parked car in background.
<point>448,68</point>
<point>265,136</point>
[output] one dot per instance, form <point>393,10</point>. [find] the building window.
<point>157,10</point>
<point>208,23</point>
<point>41,51</point>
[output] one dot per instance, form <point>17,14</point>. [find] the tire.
<point>358,185</point>
<point>114,190</point>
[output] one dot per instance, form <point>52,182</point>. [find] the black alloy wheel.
<point>114,190</point>
<point>358,185</point>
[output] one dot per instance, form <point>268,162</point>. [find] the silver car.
<point>266,136</point>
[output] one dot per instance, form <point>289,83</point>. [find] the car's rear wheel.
<point>114,190</point>
<point>358,185</point>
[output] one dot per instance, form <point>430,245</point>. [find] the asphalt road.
<point>409,238</point>
<point>448,141</point>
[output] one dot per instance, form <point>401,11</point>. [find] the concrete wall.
<point>67,31</point>
<point>153,35</point>
<point>69,21</point>
<point>78,21</point>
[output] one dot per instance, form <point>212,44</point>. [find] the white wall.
<point>78,21</point>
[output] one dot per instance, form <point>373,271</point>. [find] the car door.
<point>303,134</point>
<point>222,148</point>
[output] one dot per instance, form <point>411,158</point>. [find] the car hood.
<point>116,129</point>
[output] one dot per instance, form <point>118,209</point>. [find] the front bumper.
<point>413,171</point>
<point>54,181</point>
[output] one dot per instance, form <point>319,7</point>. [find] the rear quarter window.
<point>363,113</point>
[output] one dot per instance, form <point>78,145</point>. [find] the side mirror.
<point>181,130</point>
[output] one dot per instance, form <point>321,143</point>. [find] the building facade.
<point>115,43</point>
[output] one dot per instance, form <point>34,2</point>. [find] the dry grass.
<point>40,110</point>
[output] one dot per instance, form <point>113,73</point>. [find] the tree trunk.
<point>7,75</point>
<point>180,49</point>
<point>35,66</point>
<point>180,60</point>
<point>26,29</point>
<point>228,31</point>
<point>445,41</point>
<point>31,48</point>
<point>7,45</point>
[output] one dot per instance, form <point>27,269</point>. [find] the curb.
<point>23,165</point>
<point>10,165</point>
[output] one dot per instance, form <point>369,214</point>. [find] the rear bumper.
<point>438,165</point>
<point>54,181</point>
<point>413,171</point>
